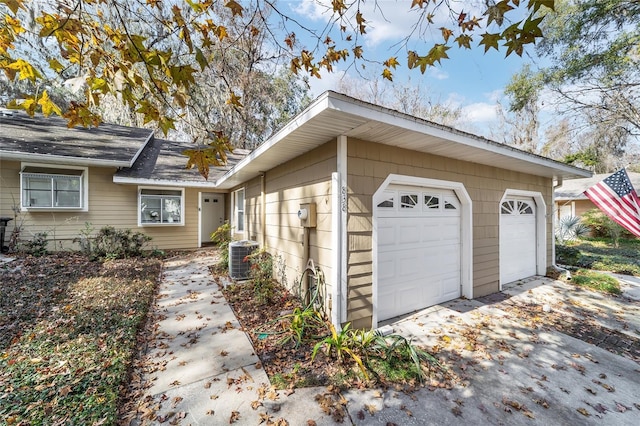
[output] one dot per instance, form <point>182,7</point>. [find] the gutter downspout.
<point>339,234</point>
<point>263,207</point>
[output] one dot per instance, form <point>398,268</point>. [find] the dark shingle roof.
<point>163,161</point>
<point>24,137</point>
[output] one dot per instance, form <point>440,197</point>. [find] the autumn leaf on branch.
<point>111,47</point>
<point>48,106</point>
<point>490,41</point>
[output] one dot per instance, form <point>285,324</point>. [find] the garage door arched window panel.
<point>389,202</point>
<point>431,202</point>
<point>451,203</point>
<point>408,201</point>
<point>517,207</point>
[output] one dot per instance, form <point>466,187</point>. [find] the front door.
<point>211,214</point>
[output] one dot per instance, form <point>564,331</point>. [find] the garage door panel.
<point>418,256</point>
<point>386,233</point>
<point>408,234</point>
<point>518,245</point>
<point>451,287</point>
<point>386,268</point>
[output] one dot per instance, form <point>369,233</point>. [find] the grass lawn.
<point>68,334</point>
<point>600,254</point>
<point>590,255</point>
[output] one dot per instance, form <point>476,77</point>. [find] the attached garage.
<point>419,248</point>
<point>408,211</point>
<point>518,238</point>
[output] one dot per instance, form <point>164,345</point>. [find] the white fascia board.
<point>61,159</point>
<point>338,102</point>
<point>170,183</point>
<point>394,118</point>
<point>312,110</point>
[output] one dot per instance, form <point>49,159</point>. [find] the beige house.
<point>55,180</point>
<point>570,199</point>
<point>398,213</point>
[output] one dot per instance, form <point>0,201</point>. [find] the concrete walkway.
<point>202,370</point>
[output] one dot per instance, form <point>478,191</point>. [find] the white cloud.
<point>438,74</point>
<point>329,81</point>
<point>480,112</point>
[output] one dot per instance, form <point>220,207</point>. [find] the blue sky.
<point>470,79</point>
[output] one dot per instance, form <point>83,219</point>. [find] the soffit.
<point>333,115</point>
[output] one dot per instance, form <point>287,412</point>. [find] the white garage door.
<point>517,239</point>
<point>418,249</point>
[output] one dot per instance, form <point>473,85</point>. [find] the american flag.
<point>616,197</point>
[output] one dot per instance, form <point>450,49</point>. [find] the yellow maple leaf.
<point>234,100</point>
<point>391,62</point>
<point>386,73</point>
<point>25,69</point>
<point>48,106</point>
<point>199,159</point>
<point>13,5</point>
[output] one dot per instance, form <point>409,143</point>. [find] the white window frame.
<point>178,222</point>
<point>236,209</point>
<point>83,191</point>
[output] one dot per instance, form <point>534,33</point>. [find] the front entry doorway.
<point>211,215</point>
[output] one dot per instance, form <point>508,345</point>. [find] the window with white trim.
<point>237,200</point>
<point>158,206</point>
<point>50,188</point>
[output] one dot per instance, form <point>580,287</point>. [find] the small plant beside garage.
<point>299,347</point>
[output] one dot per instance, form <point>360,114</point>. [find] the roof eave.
<point>61,159</point>
<point>316,107</point>
<point>378,113</point>
<point>241,172</point>
<point>163,182</point>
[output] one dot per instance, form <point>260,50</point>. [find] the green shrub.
<point>221,237</point>
<point>566,255</point>
<point>602,226</point>
<point>261,274</point>
<point>38,245</point>
<point>111,243</point>
<point>85,239</point>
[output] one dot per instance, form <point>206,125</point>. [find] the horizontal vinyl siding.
<point>369,164</point>
<point>583,206</point>
<point>303,180</point>
<point>9,192</point>
<point>109,205</point>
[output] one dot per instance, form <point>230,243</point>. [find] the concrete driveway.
<point>540,352</point>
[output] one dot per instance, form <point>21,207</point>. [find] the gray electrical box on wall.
<point>307,215</point>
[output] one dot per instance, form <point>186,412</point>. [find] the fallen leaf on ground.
<point>584,412</point>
